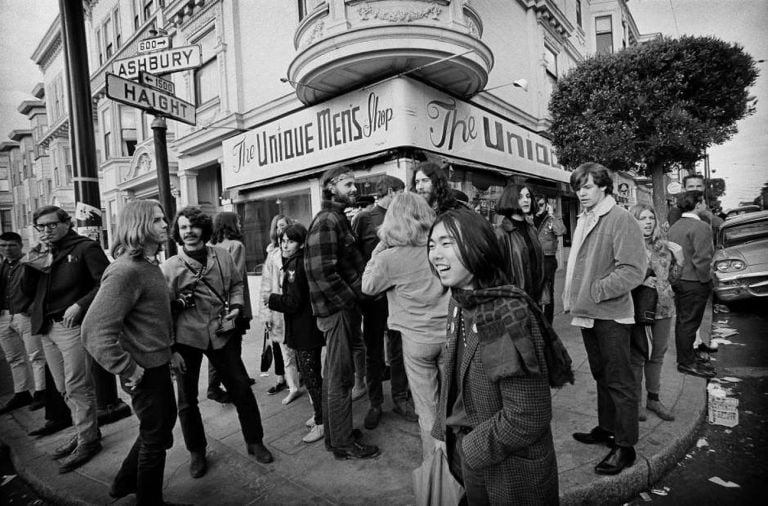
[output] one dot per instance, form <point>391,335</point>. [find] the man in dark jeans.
<point>695,285</point>
<point>607,261</point>
<point>550,228</point>
<point>334,268</point>
<point>207,295</point>
<point>128,330</point>
<point>375,312</point>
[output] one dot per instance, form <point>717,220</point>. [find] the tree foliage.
<point>652,107</point>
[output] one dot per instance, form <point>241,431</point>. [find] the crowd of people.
<point>417,288</point>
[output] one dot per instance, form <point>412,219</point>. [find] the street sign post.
<point>157,83</point>
<point>150,99</point>
<point>154,44</point>
<point>161,62</point>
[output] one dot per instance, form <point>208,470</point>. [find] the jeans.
<point>342,336</point>
<point>374,327</point>
<point>67,360</point>
<point>649,345</point>
<point>607,345</point>
<point>56,410</point>
<point>690,302</point>
<point>154,404</point>
<point>310,369</point>
<point>22,349</point>
<point>550,267</point>
<point>230,366</point>
<point>422,365</point>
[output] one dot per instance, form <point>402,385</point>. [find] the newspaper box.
<point>722,410</point>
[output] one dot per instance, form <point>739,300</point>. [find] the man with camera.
<point>207,295</point>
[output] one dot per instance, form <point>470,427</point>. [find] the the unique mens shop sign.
<point>395,113</point>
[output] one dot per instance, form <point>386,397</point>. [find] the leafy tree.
<point>715,190</point>
<point>652,107</point>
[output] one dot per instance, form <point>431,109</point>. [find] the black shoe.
<point>18,400</point>
<point>617,459</point>
<point>597,436</point>
<point>706,348</point>
<point>372,418</point>
<point>219,396</point>
<point>118,491</point>
<point>277,388</point>
<point>357,435</point>
<point>261,453</point>
<point>696,370</point>
<point>66,449</point>
<point>51,427</point>
<point>38,401</point>
<point>356,451</point>
<point>113,412</point>
<point>404,409</point>
<point>197,464</point>
<point>81,455</point>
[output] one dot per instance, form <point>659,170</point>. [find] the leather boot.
<point>197,464</point>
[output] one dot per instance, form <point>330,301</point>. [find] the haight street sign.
<point>162,62</point>
<point>150,99</point>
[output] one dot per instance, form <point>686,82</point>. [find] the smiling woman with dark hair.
<point>495,407</point>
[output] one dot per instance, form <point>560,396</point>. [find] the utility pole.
<point>86,178</point>
<point>159,129</point>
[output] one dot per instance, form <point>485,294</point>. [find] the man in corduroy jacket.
<point>607,260</point>
<point>334,268</point>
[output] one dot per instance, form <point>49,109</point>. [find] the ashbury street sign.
<point>161,62</point>
<point>396,113</point>
<point>150,99</point>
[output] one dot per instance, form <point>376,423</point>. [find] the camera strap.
<point>199,276</point>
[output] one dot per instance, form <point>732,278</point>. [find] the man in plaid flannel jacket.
<point>334,267</point>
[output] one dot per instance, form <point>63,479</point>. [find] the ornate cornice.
<point>50,46</point>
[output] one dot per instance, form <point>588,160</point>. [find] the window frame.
<point>608,32</point>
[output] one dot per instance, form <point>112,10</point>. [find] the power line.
<point>674,17</point>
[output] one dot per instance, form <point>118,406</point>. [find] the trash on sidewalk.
<point>660,491</point>
<point>724,332</point>
<point>720,308</point>
<point>722,410</point>
<point>645,496</point>
<point>727,484</point>
<point>6,479</point>
<point>720,340</point>
<point>730,379</point>
<point>701,442</point>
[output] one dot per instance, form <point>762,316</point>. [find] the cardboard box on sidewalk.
<point>722,410</point>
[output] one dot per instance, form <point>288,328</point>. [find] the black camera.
<point>186,299</point>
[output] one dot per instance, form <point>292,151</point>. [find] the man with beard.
<point>334,268</point>
<point>207,295</point>
<point>431,182</point>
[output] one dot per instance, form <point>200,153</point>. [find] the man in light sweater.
<point>128,330</point>
<point>607,260</point>
<point>695,285</point>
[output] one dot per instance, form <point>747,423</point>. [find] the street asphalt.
<point>307,474</point>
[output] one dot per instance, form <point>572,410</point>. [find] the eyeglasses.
<point>47,226</point>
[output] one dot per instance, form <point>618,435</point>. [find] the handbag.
<point>433,483</point>
<point>266,352</point>
<point>645,299</point>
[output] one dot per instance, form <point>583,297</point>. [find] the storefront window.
<point>256,216</point>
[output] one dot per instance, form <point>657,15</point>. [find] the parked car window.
<point>746,232</point>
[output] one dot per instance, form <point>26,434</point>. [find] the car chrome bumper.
<point>741,287</point>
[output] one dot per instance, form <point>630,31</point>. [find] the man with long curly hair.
<point>431,182</point>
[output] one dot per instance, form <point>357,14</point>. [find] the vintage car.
<point>741,257</point>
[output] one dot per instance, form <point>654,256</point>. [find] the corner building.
<point>286,92</point>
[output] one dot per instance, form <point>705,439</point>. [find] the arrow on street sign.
<point>153,44</point>
<point>162,62</point>
<point>157,83</point>
<point>149,99</point>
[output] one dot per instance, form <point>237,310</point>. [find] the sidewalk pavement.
<point>307,474</point>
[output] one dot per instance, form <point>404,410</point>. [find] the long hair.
<point>440,189</point>
<point>600,175</point>
<point>478,248</point>
<point>225,227</point>
<point>655,240</point>
<point>134,228</point>
<point>407,221</point>
<point>273,238</point>
<point>509,201</point>
<point>197,219</point>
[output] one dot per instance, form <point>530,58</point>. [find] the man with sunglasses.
<point>62,275</point>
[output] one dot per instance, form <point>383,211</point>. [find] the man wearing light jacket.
<point>607,260</point>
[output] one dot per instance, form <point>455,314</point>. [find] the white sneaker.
<point>316,434</point>
<point>311,422</point>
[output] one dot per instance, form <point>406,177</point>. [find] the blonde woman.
<point>649,342</point>
<point>285,369</point>
<point>418,303</point>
